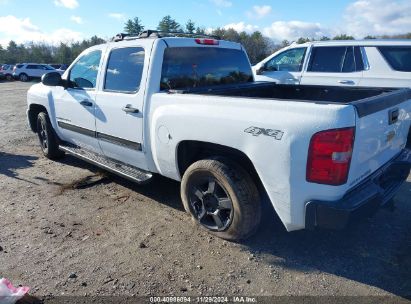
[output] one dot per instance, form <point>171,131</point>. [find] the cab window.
<point>83,74</point>
<point>290,60</point>
<point>124,70</point>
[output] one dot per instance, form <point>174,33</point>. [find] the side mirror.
<point>260,71</point>
<point>52,79</point>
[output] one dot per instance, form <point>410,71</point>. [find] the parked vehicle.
<point>2,76</point>
<point>27,71</point>
<point>189,109</point>
<point>370,63</point>
<point>6,71</point>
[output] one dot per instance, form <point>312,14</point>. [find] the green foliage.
<point>324,38</point>
<point>45,53</point>
<point>343,37</point>
<point>200,31</point>
<point>190,27</point>
<point>168,24</point>
<point>133,26</point>
<point>302,40</point>
<point>257,46</point>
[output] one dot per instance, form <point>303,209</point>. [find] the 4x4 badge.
<point>256,131</point>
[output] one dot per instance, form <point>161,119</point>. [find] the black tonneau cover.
<point>365,99</point>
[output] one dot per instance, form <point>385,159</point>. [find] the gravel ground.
<point>69,229</point>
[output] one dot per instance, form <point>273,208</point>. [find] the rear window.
<point>398,57</point>
<point>193,67</point>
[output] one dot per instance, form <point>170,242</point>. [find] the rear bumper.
<point>363,200</point>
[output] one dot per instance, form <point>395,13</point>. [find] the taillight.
<point>206,41</point>
<point>329,156</point>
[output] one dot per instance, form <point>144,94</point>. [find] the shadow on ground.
<point>162,190</point>
<point>9,163</point>
<point>375,252</point>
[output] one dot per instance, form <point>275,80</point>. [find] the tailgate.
<point>382,126</point>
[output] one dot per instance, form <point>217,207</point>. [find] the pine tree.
<point>133,26</point>
<point>168,24</point>
<point>190,26</point>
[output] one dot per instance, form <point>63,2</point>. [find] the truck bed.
<point>366,100</point>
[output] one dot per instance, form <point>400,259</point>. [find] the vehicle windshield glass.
<point>193,67</point>
<point>290,60</point>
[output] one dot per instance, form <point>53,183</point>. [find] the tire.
<point>222,198</point>
<point>23,77</point>
<point>9,77</point>
<point>48,139</point>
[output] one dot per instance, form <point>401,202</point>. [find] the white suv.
<point>26,71</point>
<point>371,63</point>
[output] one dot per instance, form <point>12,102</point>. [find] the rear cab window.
<point>398,57</point>
<point>194,67</point>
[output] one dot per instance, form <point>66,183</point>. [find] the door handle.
<point>86,103</point>
<point>129,109</point>
<point>346,81</point>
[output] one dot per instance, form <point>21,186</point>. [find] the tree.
<point>285,43</point>
<point>343,37</point>
<point>324,38</point>
<point>168,24</point>
<point>133,26</point>
<point>200,31</point>
<point>370,37</point>
<point>190,26</point>
<point>2,54</point>
<point>302,40</point>
<point>63,54</point>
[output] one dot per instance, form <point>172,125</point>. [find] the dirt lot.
<point>69,229</point>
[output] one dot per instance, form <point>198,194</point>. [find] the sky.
<point>53,21</point>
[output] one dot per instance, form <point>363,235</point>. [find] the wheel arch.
<point>33,112</point>
<point>190,151</point>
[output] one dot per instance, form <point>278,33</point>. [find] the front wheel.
<point>23,77</point>
<point>47,137</point>
<point>222,198</point>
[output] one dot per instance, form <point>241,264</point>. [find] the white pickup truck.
<point>189,109</point>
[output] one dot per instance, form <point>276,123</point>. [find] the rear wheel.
<point>47,137</point>
<point>23,77</point>
<point>222,198</point>
<point>9,77</point>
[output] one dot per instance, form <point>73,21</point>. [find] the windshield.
<point>191,67</point>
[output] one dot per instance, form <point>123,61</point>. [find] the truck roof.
<point>175,39</point>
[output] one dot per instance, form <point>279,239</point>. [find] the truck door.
<point>334,66</point>
<point>75,106</point>
<point>284,68</point>
<point>119,123</point>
